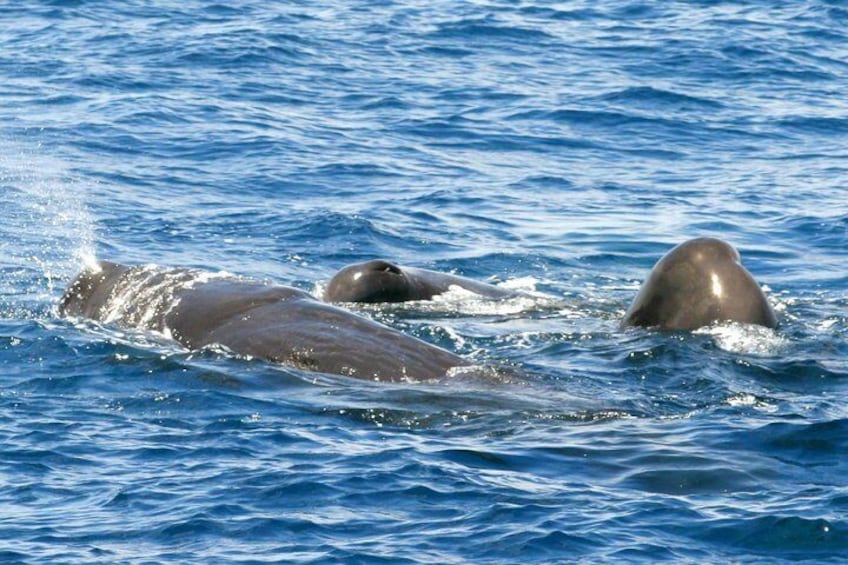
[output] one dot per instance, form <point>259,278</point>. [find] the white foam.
<point>744,399</point>
<point>827,324</point>
<point>319,289</point>
<point>745,338</point>
<point>458,340</point>
<point>465,302</point>
<point>520,284</point>
<point>458,300</point>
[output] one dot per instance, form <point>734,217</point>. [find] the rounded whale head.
<point>91,290</point>
<point>699,282</point>
<point>371,281</point>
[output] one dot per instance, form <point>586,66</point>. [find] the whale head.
<point>698,283</point>
<point>371,281</point>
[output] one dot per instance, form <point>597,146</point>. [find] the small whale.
<point>698,283</point>
<point>384,281</point>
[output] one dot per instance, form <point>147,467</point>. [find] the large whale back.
<point>699,282</point>
<point>275,323</point>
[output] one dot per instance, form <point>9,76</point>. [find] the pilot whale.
<point>384,281</point>
<point>698,283</point>
<point>275,323</point>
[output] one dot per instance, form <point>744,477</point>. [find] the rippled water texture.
<point>559,148</point>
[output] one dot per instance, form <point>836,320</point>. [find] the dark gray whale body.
<point>274,323</point>
<point>384,281</point>
<point>698,283</point>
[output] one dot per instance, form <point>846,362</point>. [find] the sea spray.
<point>47,232</point>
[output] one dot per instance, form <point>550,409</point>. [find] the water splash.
<point>47,230</point>
<point>746,339</point>
<point>460,301</point>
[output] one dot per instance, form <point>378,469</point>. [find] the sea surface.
<point>558,148</point>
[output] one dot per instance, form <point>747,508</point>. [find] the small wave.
<point>686,478</point>
<point>649,97</point>
<point>792,537</point>
<point>598,118</point>
<point>473,30</point>
<point>836,126</point>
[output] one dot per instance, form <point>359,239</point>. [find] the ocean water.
<point>559,148</point>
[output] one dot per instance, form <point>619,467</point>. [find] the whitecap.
<point>747,339</point>
<point>746,399</point>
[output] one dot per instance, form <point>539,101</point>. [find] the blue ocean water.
<point>555,147</point>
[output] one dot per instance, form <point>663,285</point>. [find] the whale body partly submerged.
<point>275,323</point>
